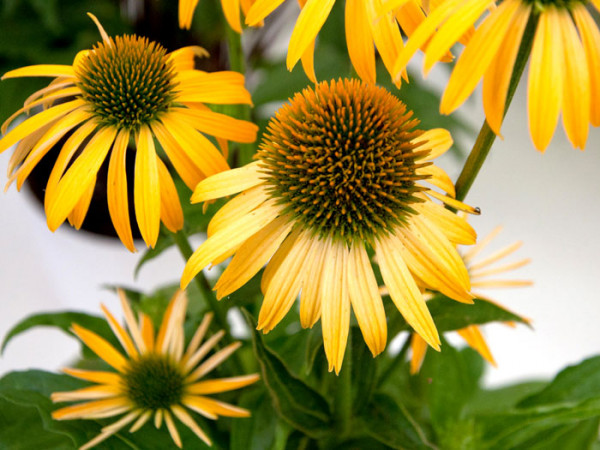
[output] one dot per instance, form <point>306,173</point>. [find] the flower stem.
<point>237,63</point>
<point>486,136</point>
<point>343,393</point>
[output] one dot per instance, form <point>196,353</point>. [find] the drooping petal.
<point>77,216</point>
<point>472,335</point>
<point>546,78</point>
<point>186,13</point>
<point>312,286</point>
<point>365,299</point>
<point>171,213</point>
<point>231,10</point>
<point>359,40</point>
<point>219,125</point>
<point>146,187</point>
<point>188,421</point>
<point>335,304</point>
<point>588,30</point>
<point>261,9</point>
<point>404,292</point>
<point>418,348</point>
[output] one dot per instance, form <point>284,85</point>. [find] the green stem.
<point>486,136</point>
<point>237,63</point>
<point>343,393</point>
<point>399,359</point>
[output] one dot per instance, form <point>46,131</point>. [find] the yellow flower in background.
<point>339,175</point>
<point>231,10</point>
<point>564,68</point>
<point>367,28</point>
<point>479,271</point>
<point>157,377</point>
<point>126,88</point>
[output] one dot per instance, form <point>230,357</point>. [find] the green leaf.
<point>573,384</point>
<point>505,398</point>
<point>450,315</point>
<point>364,371</point>
<point>63,321</point>
<point>297,403</point>
<point>513,429</point>
<point>569,437</point>
<point>388,422</point>
<point>258,431</point>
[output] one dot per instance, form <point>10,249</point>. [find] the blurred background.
<point>549,201</point>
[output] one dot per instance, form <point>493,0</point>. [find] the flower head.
<point>156,378</point>
<point>367,27</point>
<point>231,9</point>
<point>339,174</point>
<point>479,271</point>
<point>126,88</point>
<point>564,74</point>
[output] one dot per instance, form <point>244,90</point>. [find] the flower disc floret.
<point>341,158</point>
<point>128,81</point>
<point>154,382</point>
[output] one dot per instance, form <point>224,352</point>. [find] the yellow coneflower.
<point>231,10</point>
<point>479,271</point>
<point>126,88</point>
<point>156,378</point>
<point>339,173</point>
<point>564,69</point>
<point>367,27</point>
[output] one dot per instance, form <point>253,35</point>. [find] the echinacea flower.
<point>339,175</point>
<point>231,10</point>
<point>367,28</point>
<point>564,68</point>
<point>479,271</point>
<point>156,377</point>
<point>126,88</point>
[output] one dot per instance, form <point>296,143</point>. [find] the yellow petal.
<point>88,393</point>
<point>41,70</point>
<point>216,407</point>
<point>77,216</point>
<point>418,349</point>
<point>455,228</point>
<point>116,190</point>
<point>261,9</point>
<point>478,55</point>
<point>576,103</point>
<point>278,259</point>
<point>284,285</point>
<point>222,384</point>
<point>457,25</point>
<point>227,238</point>
<point>78,177</point>
<point>335,304</point>
<point>311,19</point>
<point>186,13</point>
<point>438,177</point>
<point>228,182</point>
<point>202,152</point>
<point>220,88</point>
<point>308,62</point>
<point>170,207</point>
<point>219,125</point>
<point>438,140</point>
<point>312,286</point>
<point>472,335</point>
<point>240,205</point>
<point>36,122</point>
<point>359,40</point>
<point>231,10</point>
<point>252,256</point>
<point>112,406</point>
<point>365,299</point>
<point>207,366</point>
<point>146,187</point>
<point>184,58</point>
<point>404,292</point>
<point>497,76</point>
<point>101,347</point>
<point>590,36</point>
<point>94,376</point>
<point>172,429</point>
<point>187,420</point>
<point>546,78</point>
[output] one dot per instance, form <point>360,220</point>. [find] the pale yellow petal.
<point>187,420</point>
<point>310,299</point>
<point>219,385</point>
<point>238,206</point>
<point>216,407</point>
<point>228,182</point>
<point>437,140</point>
<point>455,228</point>
<point>101,347</point>
<point>472,335</point>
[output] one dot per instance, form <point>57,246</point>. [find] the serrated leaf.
<point>450,315</point>
<point>62,321</point>
<point>573,384</point>
<point>296,402</point>
<point>388,422</point>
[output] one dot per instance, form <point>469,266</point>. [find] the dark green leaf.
<point>63,321</point>
<point>258,431</point>
<point>297,403</point>
<point>568,437</point>
<point>505,398</point>
<point>364,371</point>
<point>573,384</point>
<point>388,422</point>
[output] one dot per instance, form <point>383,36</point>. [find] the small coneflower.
<point>231,10</point>
<point>156,377</point>
<point>126,88</point>
<point>479,271</point>
<point>339,177</point>
<point>564,68</point>
<point>367,27</point>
